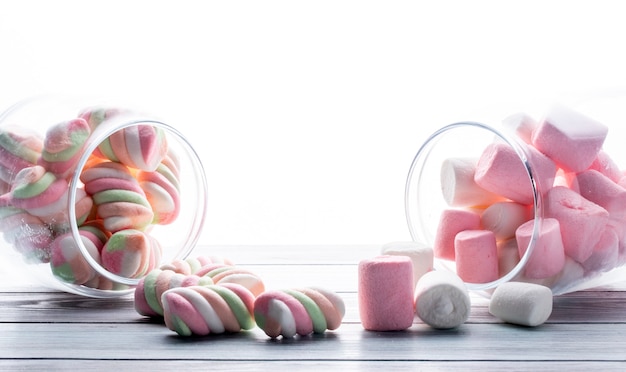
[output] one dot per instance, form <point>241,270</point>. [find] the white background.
<point>311,111</point>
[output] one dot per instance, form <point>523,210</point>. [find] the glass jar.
<point>95,195</point>
<point>538,195</point>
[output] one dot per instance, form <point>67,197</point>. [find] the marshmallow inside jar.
<point>94,194</point>
<point>535,196</point>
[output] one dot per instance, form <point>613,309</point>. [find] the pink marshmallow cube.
<point>476,256</point>
<point>582,221</point>
<point>548,255</point>
<point>569,138</point>
<point>451,222</point>
<point>501,171</point>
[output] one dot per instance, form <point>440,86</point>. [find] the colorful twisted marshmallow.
<point>299,311</point>
<point>139,146</point>
<point>150,289</point>
<point>63,146</point>
<point>131,253</point>
<point>191,265</point>
<point>67,262</point>
<point>19,148</point>
<point>212,309</point>
<point>39,192</point>
<point>221,273</point>
<point>119,199</point>
<point>44,195</point>
<point>28,234</point>
<point>162,190</point>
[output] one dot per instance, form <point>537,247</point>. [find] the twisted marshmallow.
<point>191,265</point>
<point>19,148</point>
<point>139,146</point>
<point>298,311</point>
<point>222,273</point>
<point>150,289</point>
<point>162,190</point>
<point>131,253</point>
<point>119,199</point>
<point>202,310</point>
<point>63,146</point>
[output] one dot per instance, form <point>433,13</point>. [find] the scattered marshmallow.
<point>520,303</point>
<point>442,300</point>
<point>385,293</point>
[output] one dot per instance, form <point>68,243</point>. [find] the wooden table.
<point>46,330</point>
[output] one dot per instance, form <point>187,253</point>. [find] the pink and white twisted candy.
<point>299,311</point>
<point>119,199</point>
<point>202,310</point>
<point>222,273</point>
<point>162,189</point>
<point>150,289</point>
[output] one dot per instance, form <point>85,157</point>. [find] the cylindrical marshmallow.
<point>476,256</point>
<point>548,255</point>
<point>386,293</point>
<point>504,218</point>
<point>458,186</point>
<point>421,256</point>
<point>442,300</point>
<point>451,222</point>
<point>521,303</point>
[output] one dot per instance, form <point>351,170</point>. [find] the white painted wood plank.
<point>471,342</point>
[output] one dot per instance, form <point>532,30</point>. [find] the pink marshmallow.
<point>476,256</point>
<point>605,252</point>
<point>582,221</point>
<point>569,138</point>
<point>386,293</point>
<point>605,165</point>
<point>451,222</point>
<point>548,255</point>
<point>599,189</point>
<point>504,218</point>
<point>501,171</point>
<point>458,186</point>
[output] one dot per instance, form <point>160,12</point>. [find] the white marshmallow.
<point>504,218</point>
<point>421,256</point>
<point>442,300</point>
<point>521,303</point>
<point>458,186</point>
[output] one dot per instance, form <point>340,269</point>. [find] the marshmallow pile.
<point>211,295</point>
<point>489,223</point>
<point>129,184</point>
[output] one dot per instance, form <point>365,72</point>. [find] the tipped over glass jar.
<point>539,197</point>
<point>94,195</point>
